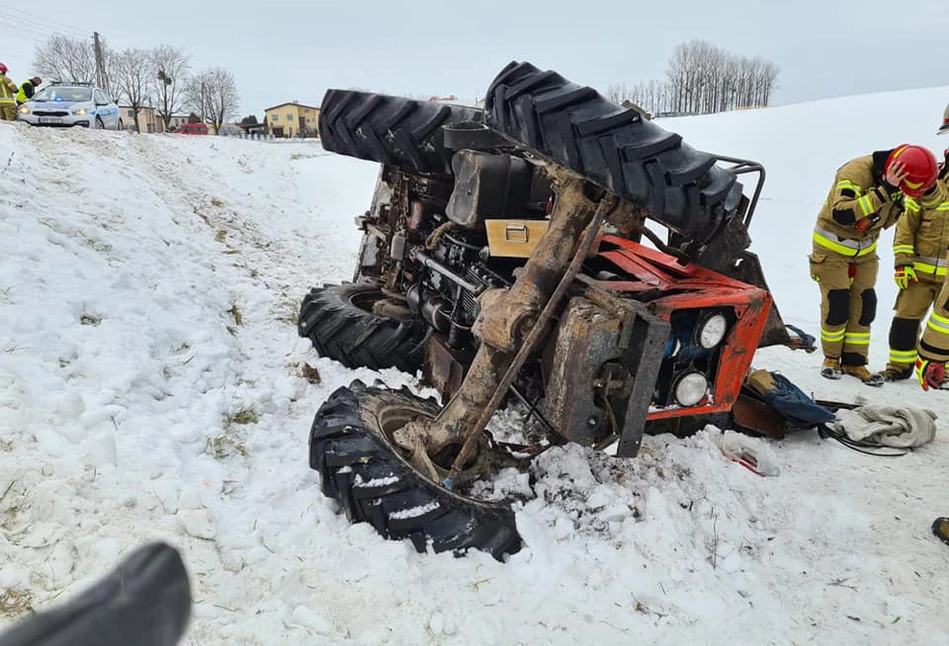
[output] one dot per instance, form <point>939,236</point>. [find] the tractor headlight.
<point>689,389</point>
<point>711,330</point>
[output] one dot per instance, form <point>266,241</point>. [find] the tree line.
<point>160,77</point>
<point>701,79</point>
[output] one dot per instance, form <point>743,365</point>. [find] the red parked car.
<point>191,129</point>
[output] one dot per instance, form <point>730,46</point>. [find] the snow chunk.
<point>311,620</point>
<point>197,523</point>
<point>375,482</point>
<point>414,512</point>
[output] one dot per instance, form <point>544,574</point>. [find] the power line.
<point>41,21</point>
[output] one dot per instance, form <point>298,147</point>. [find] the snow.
<point>151,387</point>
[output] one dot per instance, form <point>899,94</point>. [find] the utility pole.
<point>100,66</point>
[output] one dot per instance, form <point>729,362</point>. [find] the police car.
<point>71,104</point>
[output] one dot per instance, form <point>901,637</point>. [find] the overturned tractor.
<point>503,255</point>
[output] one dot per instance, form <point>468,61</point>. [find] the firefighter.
<point>27,89</point>
<point>868,195</point>
<point>8,90</point>
<point>920,247</point>
<point>933,347</point>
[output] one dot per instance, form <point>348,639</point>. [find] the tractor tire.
<point>390,130</point>
<point>614,148</point>
<point>339,321</point>
<point>367,476</point>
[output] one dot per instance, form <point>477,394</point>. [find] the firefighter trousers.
<point>934,344</point>
<point>910,308</point>
<point>848,303</point>
<point>8,111</point>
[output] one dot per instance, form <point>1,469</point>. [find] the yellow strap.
<point>940,318</point>
<point>865,205</point>
<point>846,183</point>
<point>832,335</point>
<point>843,249</point>
<point>857,338</point>
<point>903,356</point>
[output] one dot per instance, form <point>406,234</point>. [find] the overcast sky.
<point>297,50</point>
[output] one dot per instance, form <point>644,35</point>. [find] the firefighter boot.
<point>941,529</point>
<point>893,373</point>
<point>831,368</point>
<point>864,375</point>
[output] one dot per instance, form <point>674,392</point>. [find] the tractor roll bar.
<point>741,166</point>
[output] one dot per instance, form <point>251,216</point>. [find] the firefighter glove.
<point>931,374</point>
<point>905,275</point>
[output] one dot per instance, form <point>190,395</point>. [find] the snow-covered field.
<point>151,388</point>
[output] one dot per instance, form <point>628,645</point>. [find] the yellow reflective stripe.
<point>903,356</point>
<point>938,323</point>
<point>865,205</point>
<point>842,248</point>
<point>857,338</point>
<point>943,207</point>
<point>908,249</point>
<point>846,183</point>
<point>940,318</point>
<point>928,268</point>
<point>832,335</point>
<point>937,327</point>
<point>911,205</point>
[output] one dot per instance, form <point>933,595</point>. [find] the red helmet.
<point>921,168</point>
<point>3,68</point>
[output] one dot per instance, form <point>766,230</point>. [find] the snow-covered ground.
<point>151,388</point>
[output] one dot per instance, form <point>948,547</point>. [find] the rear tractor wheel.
<point>373,481</point>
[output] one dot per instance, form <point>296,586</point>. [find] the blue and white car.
<point>71,104</point>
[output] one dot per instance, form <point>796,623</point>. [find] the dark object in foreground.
<point>941,529</point>
<point>145,601</point>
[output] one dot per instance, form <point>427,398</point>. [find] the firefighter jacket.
<point>8,90</point>
<point>922,239</point>
<point>26,92</point>
<point>859,207</point>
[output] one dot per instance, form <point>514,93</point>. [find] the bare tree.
<point>132,74</point>
<point>65,58</point>
<point>171,67</point>
<point>213,94</point>
<point>196,95</point>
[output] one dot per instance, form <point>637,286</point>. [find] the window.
<point>306,110</point>
<point>59,93</point>
<point>289,116</point>
<point>274,117</point>
<point>101,99</point>
<point>132,113</point>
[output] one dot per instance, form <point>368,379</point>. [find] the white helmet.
<point>945,122</point>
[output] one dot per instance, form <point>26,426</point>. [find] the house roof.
<point>300,105</point>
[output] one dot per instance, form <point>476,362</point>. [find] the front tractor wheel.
<point>372,480</point>
<point>356,325</point>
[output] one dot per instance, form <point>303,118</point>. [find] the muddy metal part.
<point>600,370</point>
<point>507,323</point>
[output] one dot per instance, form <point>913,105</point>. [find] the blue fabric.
<point>790,401</point>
